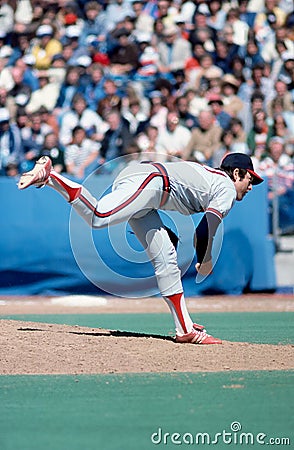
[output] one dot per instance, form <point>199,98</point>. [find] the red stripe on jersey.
<point>125,203</point>
<point>214,171</point>
<point>215,211</point>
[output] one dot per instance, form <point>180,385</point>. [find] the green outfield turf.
<point>269,327</point>
<point>142,412</point>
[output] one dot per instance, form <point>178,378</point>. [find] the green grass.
<point>121,412</point>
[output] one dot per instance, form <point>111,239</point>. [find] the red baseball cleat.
<point>198,336</point>
<point>38,176</point>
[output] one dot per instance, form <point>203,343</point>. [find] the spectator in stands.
<point>179,21</point>
<point>68,89</point>
<point>173,140</point>
<point>45,47</point>
<point>192,64</point>
<point>94,89</point>
<point>70,45</point>
<point>180,84</point>
<point>239,136</point>
<point>158,111</point>
<point>57,70</point>
<point>22,119</point>
<point>264,20</point>
<point>199,21</point>
<point>259,136</point>
<point>279,170</point>
<point>197,101</point>
<point>221,56</point>
<point>142,20</point>
<point>222,118</point>
<point>94,22</point>
<point>157,32</point>
<point>185,117</point>
<point>269,49</point>
<point>261,83</point>
<point>3,98</point>
<point>277,64</point>
<point>233,105</point>
<point>205,140</point>
<point>6,80</point>
<point>227,35</point>
<point>252,57</point>
<point>134,116</point>
<point>46,95</point>
<point>6,18</point>
<point>257,101</point>
<point>246,15</point>
<point>147,142</point>
<point>117,11</point>
<point>213,78</point>
<point>159,10</point>
<point>21,47</point>
<point>283,96</point>
<point>20,93</point>
<point>237,67</point>
<point>148,62</point>
<point>204,36</point>
<point>117,138</point>
<point>124,56</point>
<point>33,136</point>
<point>80,153</point>
<point>50,119</point>
<point>173,51</point>
<point>217,15</point>
<point>52,148</point>
<point>286,73</point>
<point>111,97</point>
<point>11,150</point>
<point>82,115</point>
<point>199,78</point>
<point>30,75</point>
<point>239,27</point>
<point>37,18</point>
<point>166,88</point>
<point>281,130</point>
<point>226,146</point>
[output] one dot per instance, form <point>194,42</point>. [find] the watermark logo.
<point>235,435</point>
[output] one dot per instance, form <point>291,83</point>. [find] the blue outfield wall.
<point>46,249</point>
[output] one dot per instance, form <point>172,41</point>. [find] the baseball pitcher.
<point>139,191</point>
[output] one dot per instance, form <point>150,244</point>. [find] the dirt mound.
<point>39,348</point>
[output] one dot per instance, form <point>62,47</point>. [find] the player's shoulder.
<point>215,174</point>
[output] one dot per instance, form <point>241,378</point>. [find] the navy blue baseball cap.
<point>241,161</point>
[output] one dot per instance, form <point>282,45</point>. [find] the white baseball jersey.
<point>197,188</point>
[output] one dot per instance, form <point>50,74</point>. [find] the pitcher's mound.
<point>39,348</point>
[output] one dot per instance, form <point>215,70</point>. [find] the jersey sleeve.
<point>222,202</point>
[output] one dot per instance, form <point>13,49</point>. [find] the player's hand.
<point>204,268</point>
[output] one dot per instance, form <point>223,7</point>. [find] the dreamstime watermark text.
<point>234,436</point>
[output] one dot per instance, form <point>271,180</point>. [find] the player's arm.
<point>203,240</point>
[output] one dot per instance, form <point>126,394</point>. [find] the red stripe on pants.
<point>176,301</point>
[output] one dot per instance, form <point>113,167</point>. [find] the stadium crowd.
<point>88,81</point>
